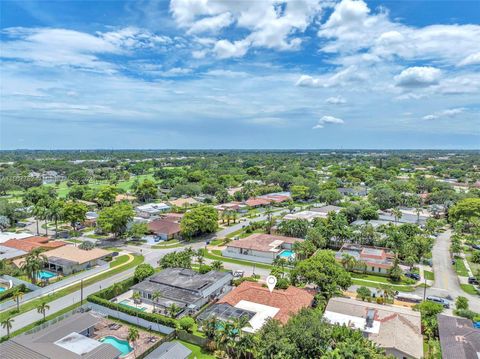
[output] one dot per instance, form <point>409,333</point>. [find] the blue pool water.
<point>45,274</point>
<point>2,289</point>
<point>126,303</point>
<point>287,254</point>
<point>121,345</point>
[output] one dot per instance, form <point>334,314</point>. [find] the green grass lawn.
<point>197,352</point>
<point>460,267</point>
<point>217,255</point>
<point>73,288</point>
<point>429,275</point>
<point>468,288</point>
<point>168,244</point>
<point>119,261</point>
<point>376,278</point>
<point>401,288</point>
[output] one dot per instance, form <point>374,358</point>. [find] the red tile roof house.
<point>29,243</point>
<point>165,228</point>
<point>258,202</point>
<point>377,259</point>
<point>260,247</point>
<point>279,304</point>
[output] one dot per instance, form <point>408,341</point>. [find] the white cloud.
<point>418,76</point>
<point>274,24</point>
<point>341,78</point>
<point>449,113</point>
<point>328,120</point>
<point>336,100</point>
<point>473,59</point>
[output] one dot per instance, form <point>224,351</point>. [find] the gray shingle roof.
<point>458,338</point>
<point>170,350</point>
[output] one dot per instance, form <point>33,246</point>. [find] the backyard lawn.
<point>376,278</point>
<point>217,255</point>
<point>468,288</point>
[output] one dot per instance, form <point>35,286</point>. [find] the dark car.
<point>472,280</point>
<point>412,275</point>
<point>476,246</point>
<point>442,301</point>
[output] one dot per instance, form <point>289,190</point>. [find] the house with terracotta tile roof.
<point>29,243</point>
<point>376,259</point>
<point>165,228</point>
<point>259,304</point>
<point>261,247</point>
<point>255,202</point>
<point>398,330</point>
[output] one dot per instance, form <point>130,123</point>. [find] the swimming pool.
<point>122,345</point>
<point>2,289</point>
<point>287,254</point>
<point>126,303</point>
<point>45,274</point>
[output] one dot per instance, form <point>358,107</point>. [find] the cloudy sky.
<point>240,74</point>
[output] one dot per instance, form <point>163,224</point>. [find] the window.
<point>379,270</point>
<point>373,269</point>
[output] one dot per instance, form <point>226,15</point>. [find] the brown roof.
<point>124,197</point>
<point>254,202</point>
<point>289,301</point>
<point>263,242</point>
<point>277,198</point>
<point>172,217</point>
<point>164,226</point>
<point>183,202</point>
<point>29,243</point>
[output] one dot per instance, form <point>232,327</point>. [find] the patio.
<point>126,299</point>
<point>120,331</point>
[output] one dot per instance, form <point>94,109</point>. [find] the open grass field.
<point>197,352</point>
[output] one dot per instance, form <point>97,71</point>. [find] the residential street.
<point>446,282</point>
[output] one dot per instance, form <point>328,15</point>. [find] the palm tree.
<point>348,261</point>
<point>155,297</point>
<point>7,324</point>
<point>234,216</point>
<point>116,289</point>
<point>132,337</point>
<point>280,262</point>
<point>200,256</point>
<point>397,214</point>
<point>217,265</point>
<point>34,262</point>
<point>55,212</point>
<point>388,291</point>
<point>173,309</point>
<point>16,296</point>
<point>42,308</point>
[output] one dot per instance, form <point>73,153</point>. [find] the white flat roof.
<point>5,236</point>
<point>77,343</point>
<point>262,313</point>
<point>351,321</point>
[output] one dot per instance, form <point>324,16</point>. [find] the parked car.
<point>476,246</point>
<point>415,276</point>
<point>442,301</point>
<point>238,273</point>
<point>473,280</point>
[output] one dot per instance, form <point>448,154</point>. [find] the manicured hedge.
<point>103,298</point>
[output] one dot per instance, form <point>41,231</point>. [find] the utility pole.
<point>81,292</point>
<point>425,289</point>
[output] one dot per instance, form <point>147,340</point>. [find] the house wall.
<point>255,256</point>
<point>376,270</point>
<point>398,354</point>
<point>79,267</point>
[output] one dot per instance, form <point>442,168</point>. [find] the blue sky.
<point>240,74</point>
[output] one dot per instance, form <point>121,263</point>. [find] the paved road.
<point>446,282</point>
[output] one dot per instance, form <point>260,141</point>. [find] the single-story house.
<point>186,288</point>
<point>376,259</point>
<point>406,217</point>
<point>373,222</point>
<point>125,197</point>
<point>11,253</point>
<point>70,259</point>
<point>277,197</point>
<point>29,243</point>
<point>151,209</point>
<point>232,190</point>
<point>261,247</point>
<point>231,206</point>
<point>183,202</point>
<point>90,219</point>
<point>255,202</point>
<point>398,330</point>
<point>325,210</point>
<point>308,215</point>
<point>165,228</point>
<point>6,236</point>
<point>170,350</point>
<point>172,216</point>
<point>259,304</point>
<point>458,338</point>
<point>69,338</point>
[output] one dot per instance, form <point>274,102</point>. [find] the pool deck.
<point>128,296</point>
<point>141,345</point>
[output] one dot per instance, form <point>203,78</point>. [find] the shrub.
<point>364,293</point>
<point>143,271</point>
<point>187,324</point>
<point>237,282</point>
<point>282,283</point>
<point>87,245</point>
<point>466,313</point>
<point>204,269</point>
<point>461,303</point>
